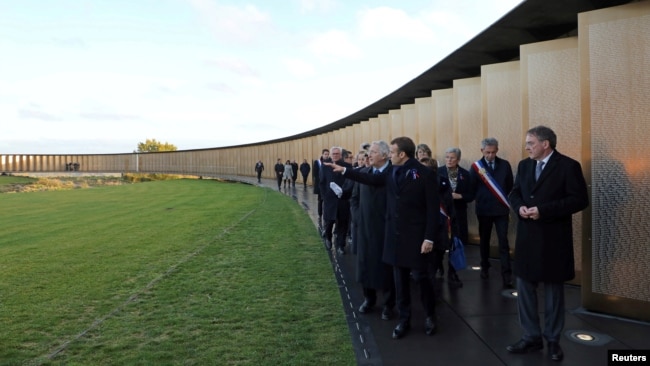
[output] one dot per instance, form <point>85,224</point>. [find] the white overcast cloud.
<point>101,76</point>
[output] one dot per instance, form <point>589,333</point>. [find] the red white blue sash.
<point>489,181</point>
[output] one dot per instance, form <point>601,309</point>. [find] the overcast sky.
<point>99,76</point>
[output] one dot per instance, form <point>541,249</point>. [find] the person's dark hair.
<point>324,151</point>
<point>544,133</point>
<point>425,148</point>
<point>429,162</point>
<point>345,153</point>
<point>404,144</point>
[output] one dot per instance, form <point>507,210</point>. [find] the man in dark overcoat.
<point>548,189</point>
<point>304,171</point>
<point>372,273</point>
<point>493,179</point>
<point>259,168</point>
<point>336,208</point>
<point>411,224</point>
<point>294,175</point>
<point>279,172</point>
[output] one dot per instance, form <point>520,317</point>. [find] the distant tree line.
<point>152,145</point>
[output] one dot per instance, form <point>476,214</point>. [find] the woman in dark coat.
<point>461,185</point>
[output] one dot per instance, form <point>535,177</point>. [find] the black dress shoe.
<point>386,313</point>
<point>555,351</point>
<point>366,307</point>
<point>430,326</point>
<point>328,244</point>
<point>524,346</point>
<point>484,273</point>
<point>400,330</point>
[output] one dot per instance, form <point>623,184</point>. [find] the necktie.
<point>376,171</point>
<point>491,164</point>
<point>538,170</point>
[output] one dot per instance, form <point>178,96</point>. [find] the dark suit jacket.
<point>315,175</point>
<point>463,187</point>
<point>305,169</point>
<point>544,247</point>
<point>412,211</point>
<point>279,169</point>
<point>333,206</point>
<point>486,202</point>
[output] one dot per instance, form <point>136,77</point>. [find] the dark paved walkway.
<point>476,322</point>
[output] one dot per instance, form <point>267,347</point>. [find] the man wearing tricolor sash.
<point>493,181</point>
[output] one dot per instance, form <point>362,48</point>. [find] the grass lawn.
<point>191,272</point>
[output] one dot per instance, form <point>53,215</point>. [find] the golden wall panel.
<point>615,59</point>
<point>468,127</point>
<point>502,119</point>
<point>425,125</point>
<point>409,122</point>
<point>442,110</point>
<point>396,122</point>
<point>468,124</point>
<point>365,131</point>
<point>501,93</point>
<point>375,129</point>
<point>384,128</point>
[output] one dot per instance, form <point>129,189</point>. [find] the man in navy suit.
<point>411,224</point>
<point>549,188</point>
<point>492,179</point>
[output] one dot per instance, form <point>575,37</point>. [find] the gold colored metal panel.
<point>375,130</point>
<point>425,125</point>
<point>384,128</point>
<point>614,63</point>
<point>501,119</point>
<point>467,118</point>
<point>396,122</point>
<point>469,132</point>
<point>442,110</point>
<point>409,122</point>
<point>365,131</point>
<point>501,93</point>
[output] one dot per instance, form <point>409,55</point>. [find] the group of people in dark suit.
<point>287,172</point>
<point>401,227</point>
<point>410,225</point>
<point>335,192</point>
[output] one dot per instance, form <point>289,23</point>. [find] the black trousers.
<point>279,177</point>
<point>485,232</point>
<point>320,205</point>
<point>388,290</point>
<point>403,292</point>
